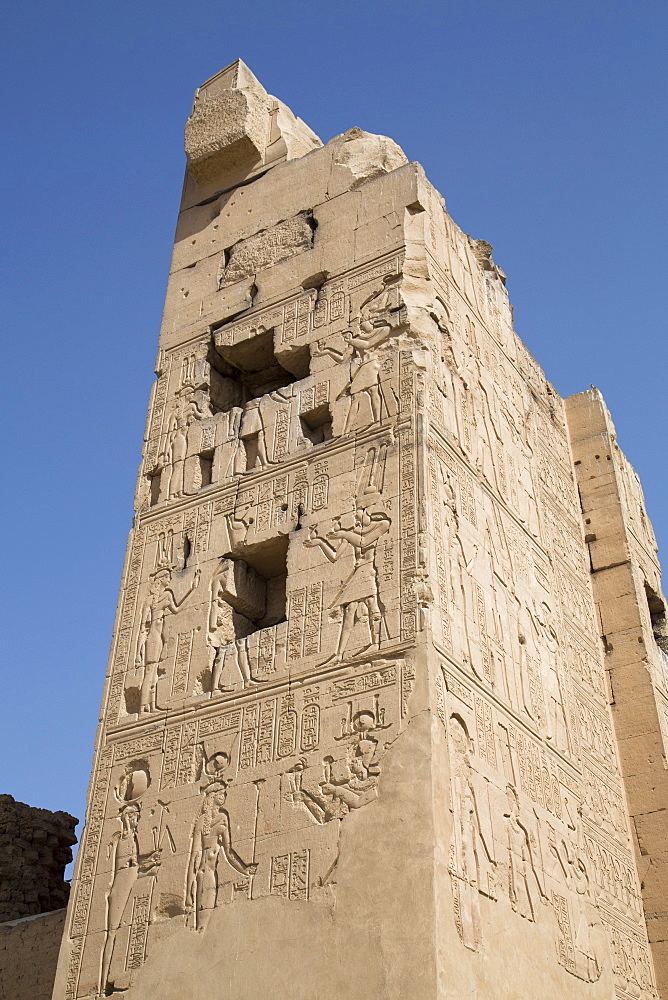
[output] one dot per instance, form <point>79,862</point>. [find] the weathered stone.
<point>356,738</point>
<point>31,879</point>
<point>267,248</point>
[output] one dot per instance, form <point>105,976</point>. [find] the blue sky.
<point>543,125</point>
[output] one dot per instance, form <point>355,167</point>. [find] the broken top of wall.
<point>237,130</point>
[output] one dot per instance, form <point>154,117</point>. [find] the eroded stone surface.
<point>356,736</point>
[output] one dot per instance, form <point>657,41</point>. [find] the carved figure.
<point>175,450</point>
<point>487,431</point>
<point>358,596</point>
<point>259,418</point>
<point>460,568</point>
<point>556,725</point>
<point>570,868</point>
<point>159,604</point>
<point>211,838</point>
<point>174,456</point>
<point>230,459</point>
<point>238,523</point>
<point>469,846</point>
<point>349,783</point>
<point>127,865</point>
<point>253,429</point>
<point>230,654</point>
<point>520,860</point>
<point>371,399</point>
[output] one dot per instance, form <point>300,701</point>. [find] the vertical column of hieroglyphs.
<point>540,839</point>
<point>261,662</point>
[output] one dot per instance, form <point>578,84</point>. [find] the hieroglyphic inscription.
<point>320,488</point>
<point>287,729</point>
<point>305,621</point>
<point>184,646</point>
<point>158,409</point>
<point>407,685</point>
<point>369,681</point>
<point>290,875</point>
<point>408,535</point>
<point>296,612</point>
<point>565,937</point>
<point>138,932</point>
<point>461,691</point>
<point>310,728</point>
<point>313,618</point>
<point>483,635</point>
<point>90,848</point>
<point>138,746</point>
<point>188,754</point>
<point>73,967</point>
<point>485,730</point>
<point>265,736</point>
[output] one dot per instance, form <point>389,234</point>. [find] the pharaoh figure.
<point>370,399</point>
<point>261,419</point>
<point>358,596</point>
<point>522,871</point>
<point>461,565</point>
<point>127,864</point>
<point>569,867</point>
<point>211,838</point>
<point>230,455</point>
<point>470,851</point>
<point>159,604</point>
<point>175,449</point>
<point>488,434</point>
<point>506,605</point>
<point>556,726</point>
<point>230,665</point>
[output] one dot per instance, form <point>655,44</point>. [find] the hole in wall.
<point>657,614</point>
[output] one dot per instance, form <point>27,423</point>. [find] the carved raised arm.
<point>312,539</point>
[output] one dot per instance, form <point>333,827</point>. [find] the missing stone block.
<point>251,369</point>
<point>657,614</point>
<point>253,583</point>
<point>154,485</point>
<point>316,424</point>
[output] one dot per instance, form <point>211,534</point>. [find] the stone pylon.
<point>356,738</point>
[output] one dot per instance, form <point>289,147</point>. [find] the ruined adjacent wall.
<point>35,848</point>
<point>356,737</point>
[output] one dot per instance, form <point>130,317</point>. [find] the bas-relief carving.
<point>247,817</point>
<point>472,861</point>
<point>259,772</point>
<point>233,439</point>
<point>350,782</point>
<point>538,838</point>
<point>502,850</point>
<point>128,865</point>
<point>159,604</point>
<point>211,838</point>
<point>357,599</point>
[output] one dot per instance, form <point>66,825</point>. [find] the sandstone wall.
<point>632,614</point>
<point>356,737</point>
<point>29,955</point>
